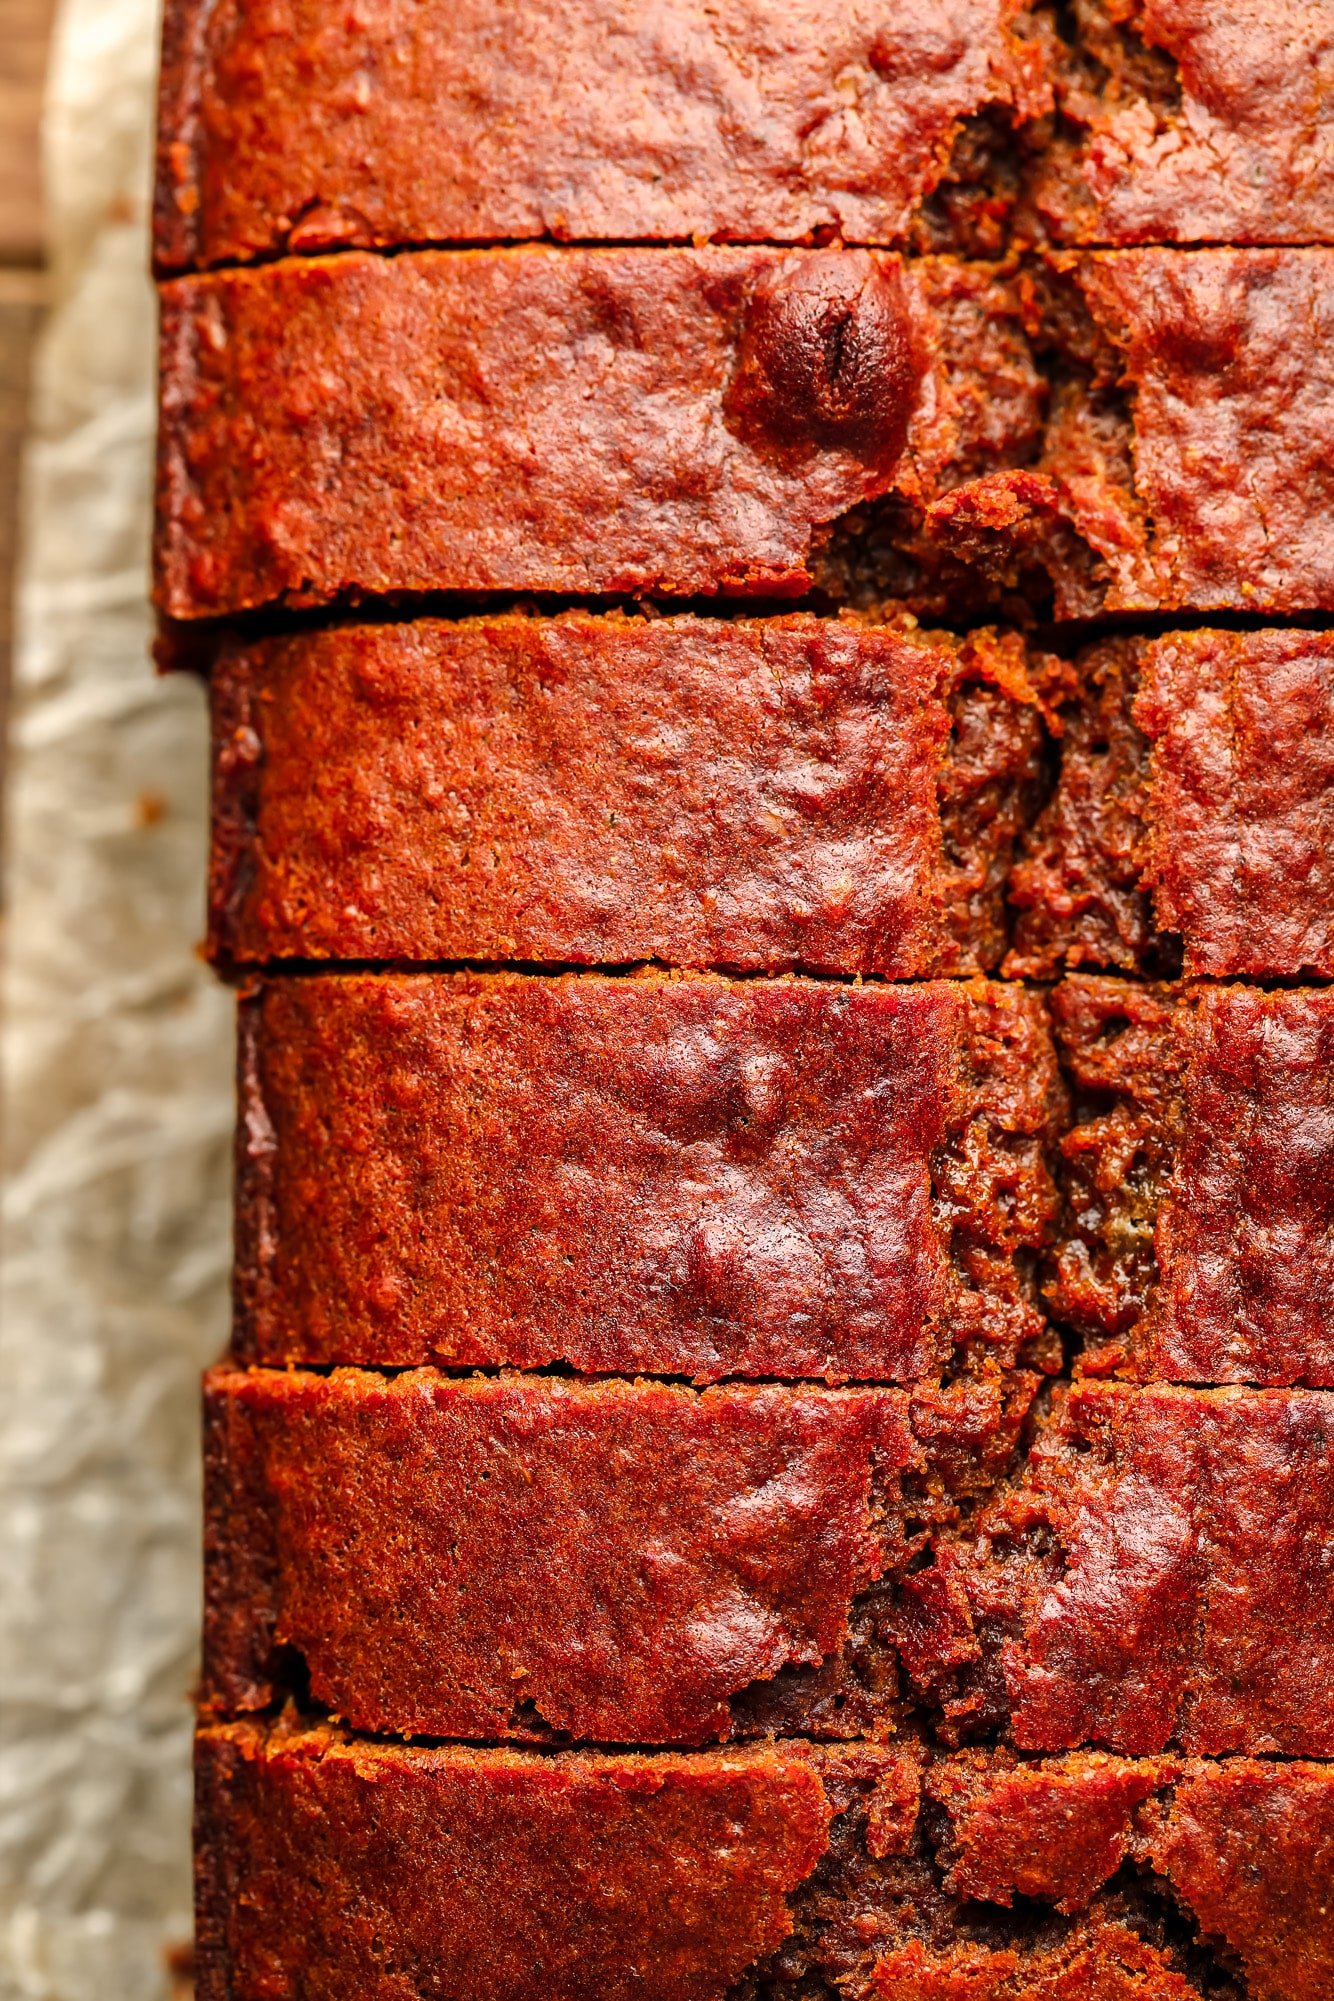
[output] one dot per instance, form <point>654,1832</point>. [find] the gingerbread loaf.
<point>779,1433</point>
<point>585,420</point>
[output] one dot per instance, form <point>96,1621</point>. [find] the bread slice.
<point>756,794</point>
<point>352,1869</point>
<point>674,1173</point>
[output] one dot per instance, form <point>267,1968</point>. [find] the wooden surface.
<point>24,30</point>
<point>19,312</point>
<point>25,26</point>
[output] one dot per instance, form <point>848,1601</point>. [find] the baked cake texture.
<point>1194,814</point>
<point>291,130</point>
<point>1156,1573</point>
<point>671,1173</point>
<point>755,1874</point>
<point>682,420</point>
<point>646,1563</point>
<point>294,129</point>
<point>1182,122</point>
<point>1185,461</point>
<point>591,420</point>
<point>1198,1240</point>
<point>530,1557</point>
<point>754,794</point>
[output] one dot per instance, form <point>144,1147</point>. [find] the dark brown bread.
<point>533,1558</point>
<point>1194,812</point>
<point>796,792</point>
<point>500,1876</point>
<point>1199,1241</point>
<point>592,420</point>
<point>679,1174</point>
<point>1159,1572</point>
<point>1184,122</point>
<point>287,127</point>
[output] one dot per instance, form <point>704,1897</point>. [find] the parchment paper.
<point>118,1097</point>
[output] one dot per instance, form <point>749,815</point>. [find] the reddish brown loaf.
<point>534,1558</point>
<point>1199,1234</point>
<point>291,129</point>
<point>798,792</point>
<point>296,128</point>
<point>1195,812</point>
<point>1183,122</point>
<point>678,1174</point>
<point>530,1557</point>
<point>1160,1571</point>
<point>592,420</point>
<point>753,1875</point>
<point>703,420</point>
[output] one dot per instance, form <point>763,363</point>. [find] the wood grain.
<point>20,309</point>
<point>25,27</point>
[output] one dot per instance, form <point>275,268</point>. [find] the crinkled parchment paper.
<point>117,1082</point>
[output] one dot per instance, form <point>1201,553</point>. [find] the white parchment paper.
<point>118,1108</point>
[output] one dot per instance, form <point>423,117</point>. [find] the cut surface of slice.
<point>529,1557</point>
<point>597,120</point>
<point>679,1174</point>
<point>1067,438</point>
<point>575,420</point>
<point>751,1875</point>
<point>757,794</point>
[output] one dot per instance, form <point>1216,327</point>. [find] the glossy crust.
<point>1199,1244</point>
<point>797,792</point>
<point>677,1174</point>
<point>592,420</point>
<point>1183,122</point>
<point>1194,813</point>
<point>290,128</point>
<point>1158,1573</point>
<point>691,1877</point>
<point>527,1557</point>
